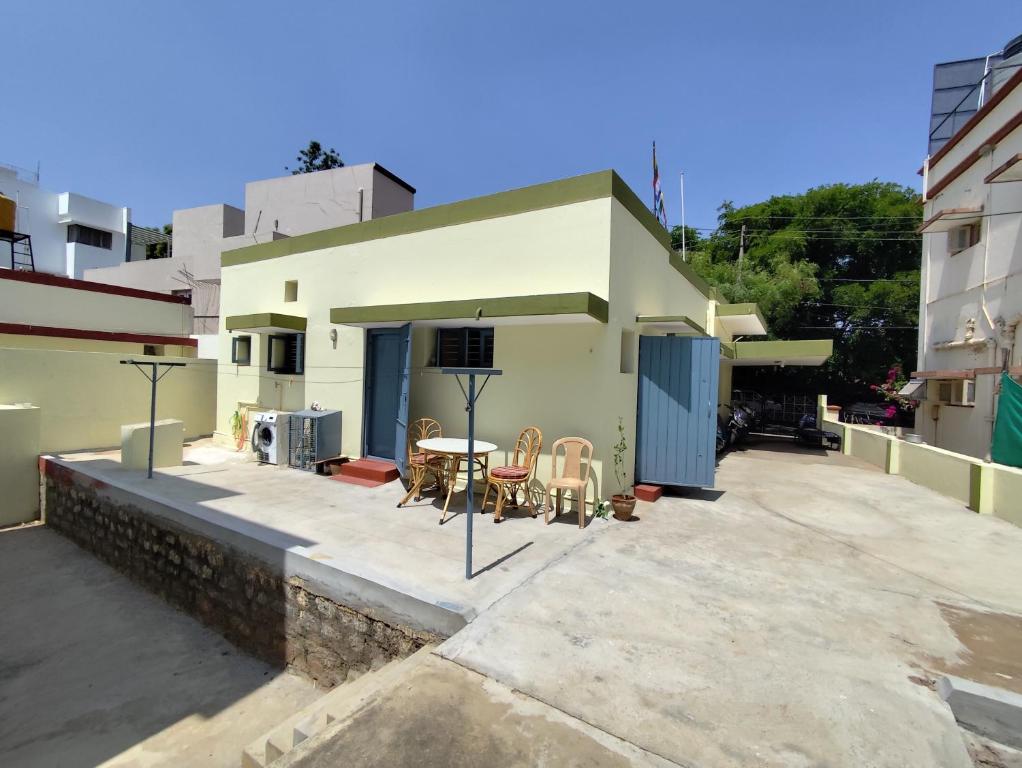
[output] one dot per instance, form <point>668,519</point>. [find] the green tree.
<point>159,250</point>
<point>315,158</point>
<point>839,261</point>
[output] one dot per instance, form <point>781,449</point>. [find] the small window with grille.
<point>285,353</point>
<point>464,347</point>
<point>241,350</point>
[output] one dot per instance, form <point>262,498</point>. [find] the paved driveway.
<point>95,670</point>
<point>795,619</point>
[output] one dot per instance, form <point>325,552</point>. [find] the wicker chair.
<point>573,476</point>
<point>421,463</point>
<point>507,480</point>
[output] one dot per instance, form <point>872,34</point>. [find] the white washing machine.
<point>269,437</point>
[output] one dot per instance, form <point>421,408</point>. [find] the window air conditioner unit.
<point>958,392</point>
<point>962,237</point>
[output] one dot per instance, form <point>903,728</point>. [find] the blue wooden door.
<point>382,391</point>
<point>404,376</point>
<point>677,409</point>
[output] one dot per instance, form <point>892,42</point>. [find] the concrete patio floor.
<point>796,619</point>
<point>95,670</point>
<point>796,616</point>
<point>331,530</point>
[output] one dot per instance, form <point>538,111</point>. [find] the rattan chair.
<point>421,463</point>
<point>518,474</point>
<point>573,477</point>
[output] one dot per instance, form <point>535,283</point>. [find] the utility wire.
<point>860,328</point>
<point>954,217</point>
<point>865,280</point>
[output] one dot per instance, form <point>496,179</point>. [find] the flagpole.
<point>654,178</point>
<point>684,255</point>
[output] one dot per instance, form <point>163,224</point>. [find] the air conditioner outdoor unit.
<point>962,237</point>
<point>958,392</point>
<point>315,436</point>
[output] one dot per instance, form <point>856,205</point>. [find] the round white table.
<point>454,449</point>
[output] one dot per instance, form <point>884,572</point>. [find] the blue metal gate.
<point>677,410</point>
<point>401,435</point>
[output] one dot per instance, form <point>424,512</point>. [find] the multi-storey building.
<point>69,233</point>
<point>970,302</point>
<point>274,209</point>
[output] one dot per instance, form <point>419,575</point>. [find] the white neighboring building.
<point>70,232</point>
<point>274,209</point>
<point>970,303</point>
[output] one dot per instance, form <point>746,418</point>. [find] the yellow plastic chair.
<point>573,476</point>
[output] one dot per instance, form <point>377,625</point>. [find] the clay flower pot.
<point>623,505</point>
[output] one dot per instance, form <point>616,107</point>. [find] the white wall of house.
<point>568,378</point>
<point>46,215</point>
<point>971,300</point>
<point>309,202</point>
<point>274,209</point>
<point>62,306</point>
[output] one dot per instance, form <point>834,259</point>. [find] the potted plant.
<point>622,502</point>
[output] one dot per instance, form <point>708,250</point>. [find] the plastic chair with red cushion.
<point>517,475</point>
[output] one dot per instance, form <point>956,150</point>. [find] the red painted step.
<point>356,481</point>
<point>370,469</point>
<point>646,492</point>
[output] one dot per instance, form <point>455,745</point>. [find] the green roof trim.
<point>748,308</point>
<point>685,270</point>
<point>265,320</point>
<point>577,189</point>
<point>505,306</point>
<point>792,348</point>
<point>727,349</point>
<point>665,319</point>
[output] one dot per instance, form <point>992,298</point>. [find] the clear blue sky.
<point>163,105</point>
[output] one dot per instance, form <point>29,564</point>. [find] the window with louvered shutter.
<point>286,353</point>
<point>464,347</point>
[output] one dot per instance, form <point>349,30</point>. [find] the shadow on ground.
<point>94,665</point>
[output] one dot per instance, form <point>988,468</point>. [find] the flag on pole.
<point>658,194</point>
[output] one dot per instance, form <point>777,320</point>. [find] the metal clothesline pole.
<point>152,378</point>
<point>471,396</point>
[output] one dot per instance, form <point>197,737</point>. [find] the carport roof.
<point>579,307</point>
<point>742,319</point>
<point>794,352</point>
<point>670,324</point>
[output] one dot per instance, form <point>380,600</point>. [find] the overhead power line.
<point>860,328</point>
<point>865,280</point>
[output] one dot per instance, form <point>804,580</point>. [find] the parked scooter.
<point>734,428</point>
<point>723,436</point>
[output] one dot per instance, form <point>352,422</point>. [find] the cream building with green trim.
<point>554,284</point>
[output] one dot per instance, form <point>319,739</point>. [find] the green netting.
<point>1007,446</point>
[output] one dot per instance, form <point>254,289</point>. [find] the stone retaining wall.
<point>247,600</point>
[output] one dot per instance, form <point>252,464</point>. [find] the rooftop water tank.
<point>8,209</point>
<point>1014,46</point>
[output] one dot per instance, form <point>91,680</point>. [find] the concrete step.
<point>648,492</point>
<point>370,469</point>
<point>314,718</point>
<point>356,481</point>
